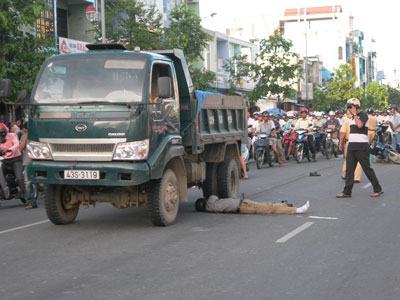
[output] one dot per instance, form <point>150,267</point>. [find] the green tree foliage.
<point>129,22</point>
<point>274,73</point>
<point>21,52</point>
<point>376,96</point>
<point>239,69</point>
<point>276,69</point>
<point>334,93</point>
<point>185,32</point>
<point>394,96</point>
<point>338,90</point>
<point>202,79</point>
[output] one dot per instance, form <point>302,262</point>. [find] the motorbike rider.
<point>9,146</point>
<point>334,124</point>
<point>267,127</point>
<point>304,123</point>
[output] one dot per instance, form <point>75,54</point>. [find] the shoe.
<point>376,194</point>
<point>314,174</point>
<point>356,181</point>
<point>343,195</point>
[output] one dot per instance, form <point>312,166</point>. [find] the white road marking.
<point>200,229</point>
<point>23,227</point>
<point>323,218</point>
<point>293,233</point>
<point>366,186</point>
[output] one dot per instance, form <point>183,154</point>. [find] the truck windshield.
<point>91,79</point>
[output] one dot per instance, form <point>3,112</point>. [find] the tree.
<point>239,69</point>
<point>341,88</point>
<point>277,68</point>
<point>376,96</point>
<point>185,32</point>
<point>394,95</point>
<point>202,79</point>
<point>129,22</point>
<point>21,51</point>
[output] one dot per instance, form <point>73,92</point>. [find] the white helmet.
<point>331,113</point>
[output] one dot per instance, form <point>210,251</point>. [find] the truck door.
<point>165,107</point>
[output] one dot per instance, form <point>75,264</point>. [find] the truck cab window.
<point>159,70</point>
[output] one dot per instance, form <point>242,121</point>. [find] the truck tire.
<point>54,201</point>
<point>228,179</point>
<point>210,185</point>
<point>163,199</point>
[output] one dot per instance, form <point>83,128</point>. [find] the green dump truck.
<point>125,127</point>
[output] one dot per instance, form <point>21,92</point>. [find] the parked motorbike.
<point>13,185</point>
<point>318,138</point>
<point>263,151</point>
<point>301,149</point>
<point>382,134</point>
<point>331,148</point>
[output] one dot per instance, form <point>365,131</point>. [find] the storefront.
<point>66,19</point>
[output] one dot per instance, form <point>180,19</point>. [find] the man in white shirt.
<point>395,125</point>
<point>304,123</point>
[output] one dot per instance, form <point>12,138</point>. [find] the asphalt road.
<point>350,253</point>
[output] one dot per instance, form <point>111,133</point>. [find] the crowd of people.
<point>281,128</point>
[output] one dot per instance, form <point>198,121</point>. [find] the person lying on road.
<point>245,206</point>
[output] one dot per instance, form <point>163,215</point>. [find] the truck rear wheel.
<point>228,179</point>
<point>56,204</point>
<point>163,200</point>
<point>210,184</point>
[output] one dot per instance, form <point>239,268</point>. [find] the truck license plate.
<point>81,174</point>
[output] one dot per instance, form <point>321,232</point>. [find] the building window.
<point>340,54</point>
<point>45,23</point>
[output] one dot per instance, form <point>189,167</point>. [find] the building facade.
<point>220,49</point>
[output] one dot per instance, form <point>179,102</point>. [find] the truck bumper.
<point>111,173</point>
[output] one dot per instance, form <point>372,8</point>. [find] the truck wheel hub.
<point>171,197</point>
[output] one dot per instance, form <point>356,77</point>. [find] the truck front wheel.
<point>228,179</point>
<point>163,199</point>
<point>57,208</point>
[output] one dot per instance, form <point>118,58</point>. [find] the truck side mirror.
<point>164,87</point>
<point>5,88</point>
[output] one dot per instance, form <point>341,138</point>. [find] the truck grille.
<point>101,149</point>
<point>83,148</point>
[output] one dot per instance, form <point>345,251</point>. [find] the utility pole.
<point>55,24</point>
<point>103,22</point>
<point>306,53</point>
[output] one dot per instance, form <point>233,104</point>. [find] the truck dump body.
<point>221,119</point>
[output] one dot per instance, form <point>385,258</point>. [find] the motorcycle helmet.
<point>353,102</point>
<point>303,109</point>
<point>370,110</point>
<point>265,113</point>
<point>332,113</point>
<point>3,132</point>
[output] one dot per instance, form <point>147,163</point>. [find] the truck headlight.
<point>132,150</point>
<point>38,150</point>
